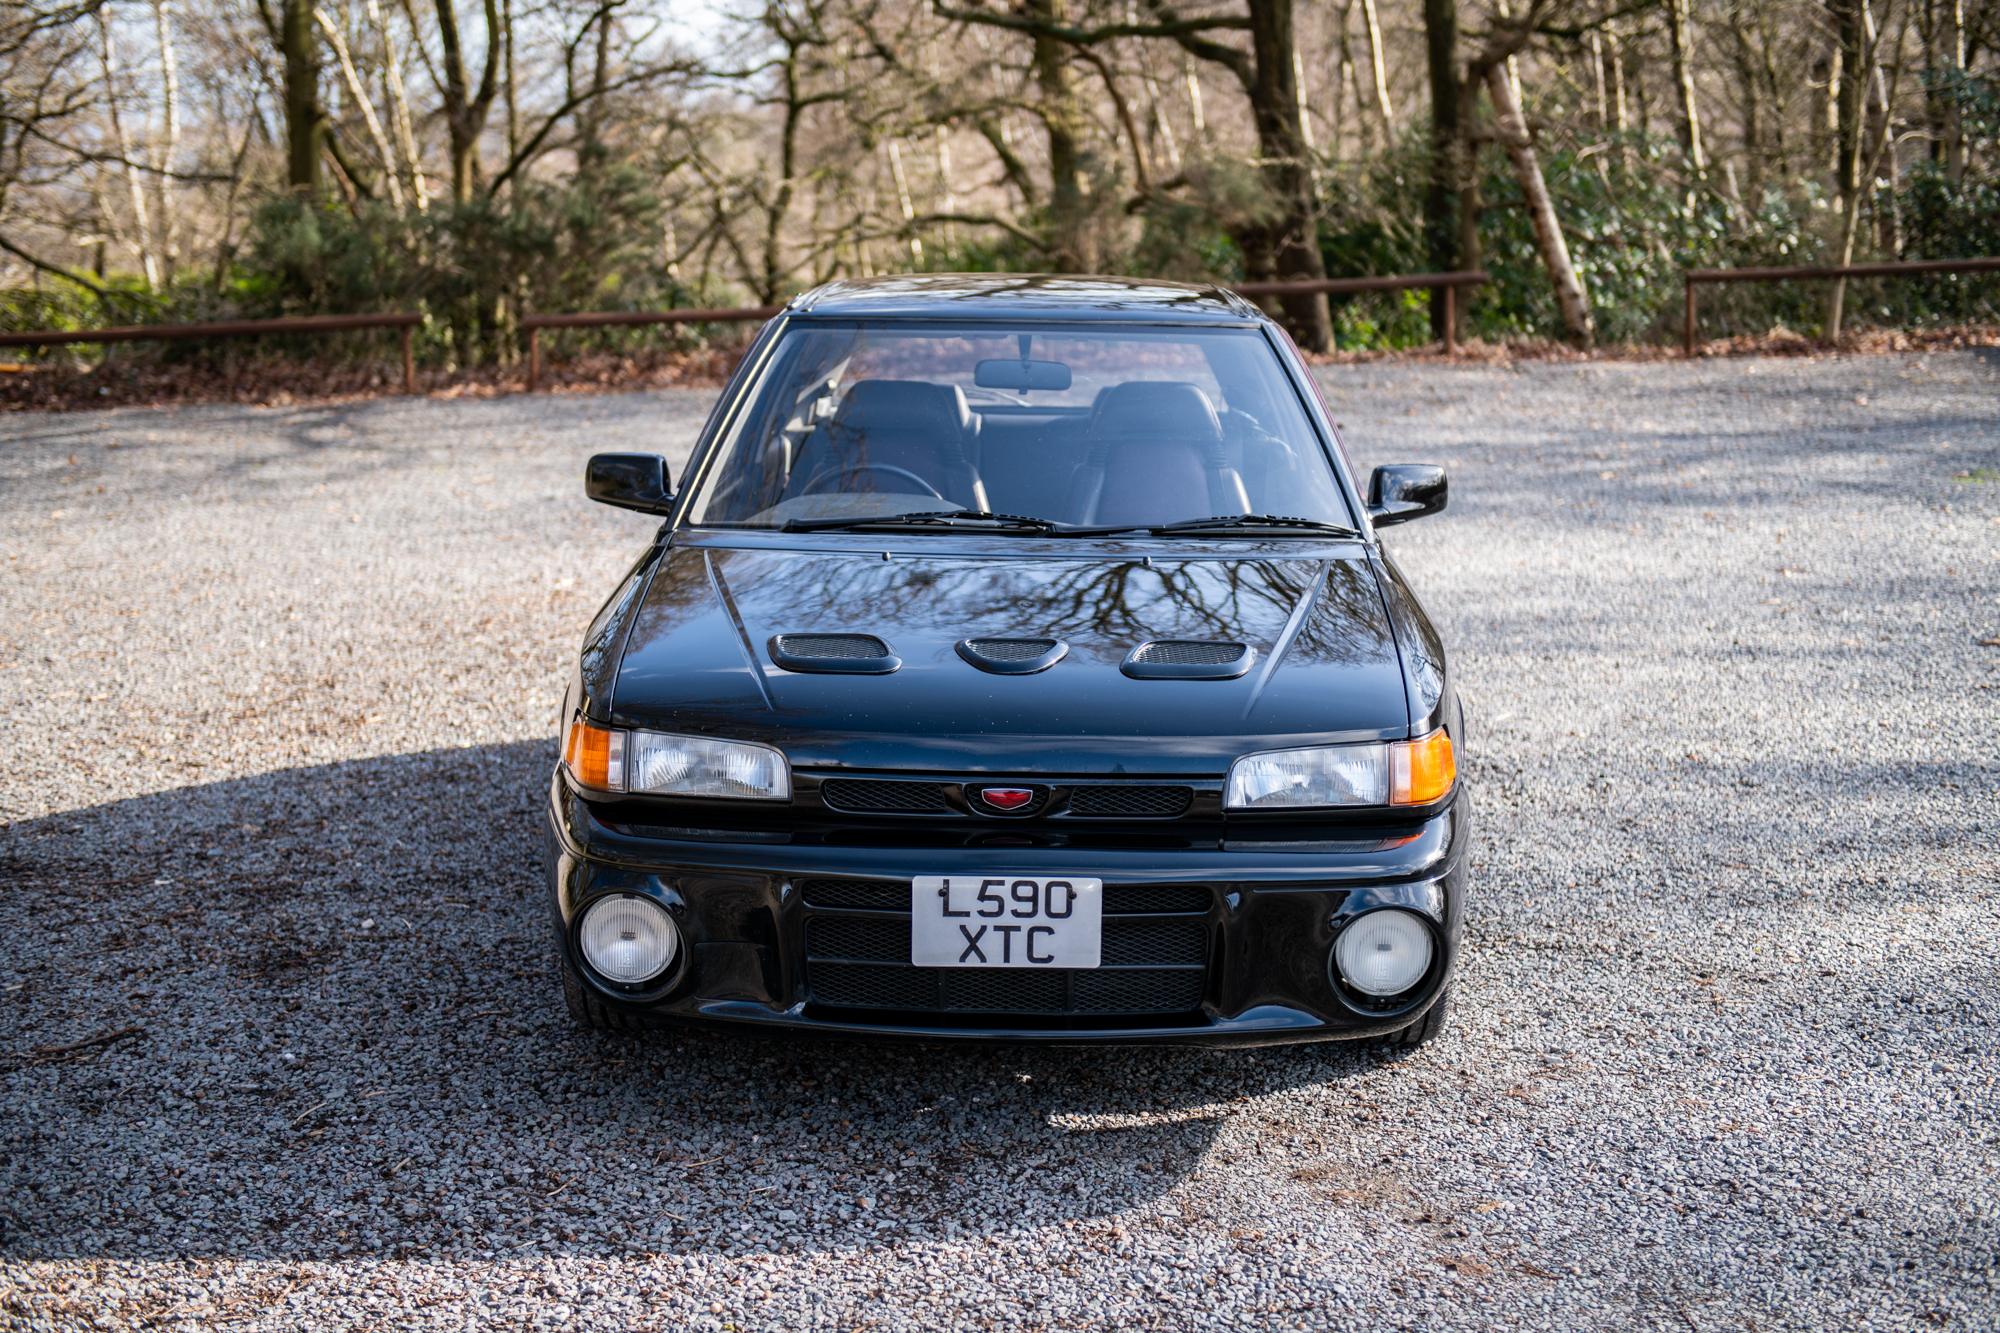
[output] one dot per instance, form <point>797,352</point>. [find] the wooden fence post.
<point>534,356</point>
<point>1687,328</point>
<point>409,365</point>
<point>1450,320</point>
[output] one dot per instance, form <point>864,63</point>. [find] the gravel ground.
<point>280,687</point>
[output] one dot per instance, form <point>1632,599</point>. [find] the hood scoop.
<point>1188,659</point>
<point>850,654</point>
<point>1012,657</point>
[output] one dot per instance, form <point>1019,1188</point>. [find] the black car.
<point>1016,661</point>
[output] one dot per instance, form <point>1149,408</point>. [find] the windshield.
<point>1092,426</point>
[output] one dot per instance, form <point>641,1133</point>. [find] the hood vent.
<point>1012,657</point>
<point>1188,659</point>
<point>859,654</point>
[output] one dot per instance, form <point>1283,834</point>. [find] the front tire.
<point>589,1011</point>
<point>1425,1030</point>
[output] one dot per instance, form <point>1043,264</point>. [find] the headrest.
<point>1159,409</point>
<point>882,405</point>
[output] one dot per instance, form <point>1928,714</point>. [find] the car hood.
<point>696,658</point>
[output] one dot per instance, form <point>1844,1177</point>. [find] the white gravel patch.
<point>279,687</point>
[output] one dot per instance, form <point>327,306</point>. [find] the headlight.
<point>1384,953</point>
<point>694,766</point>
<point>629,939</point>
<point>1399,773</point>
<point>654,762</point>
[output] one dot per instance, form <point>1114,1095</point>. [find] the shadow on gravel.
<point>312,1013</point>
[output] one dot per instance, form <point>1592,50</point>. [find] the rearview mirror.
<point>1006,374</point>
<point>1403,491</point>
<point>629,481</point>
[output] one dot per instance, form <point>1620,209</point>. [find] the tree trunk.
<point>1292,235</point>
<point>1381,71</point>
<point>367,108</point>
<point>169,150</point>
<point>1954,128</point>
<point>141,225</point>
<point>1753,121</point>
<point>305,122</point>
<point>1683,40</point>
<point>788,153</point>
<point>1548,232</point>
<point>465,109</point>
<point>1846,80</point>
<point>510,97</point>
<point>1062,117</point>
<point>399,107</point>
<point>1441,200</point>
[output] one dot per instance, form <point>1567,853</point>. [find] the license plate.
<point>1012,921</point>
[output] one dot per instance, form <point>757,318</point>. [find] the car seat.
<point>883,427</point>
<point>1155,455</point>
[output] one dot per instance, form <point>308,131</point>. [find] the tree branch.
<point>1576,32</point>
<point>1235,61</point>
<point>1173,28</point>
<point>45,266</point>
<point>1103,68</point>
<point>533,146</point>
<point>974,220</point>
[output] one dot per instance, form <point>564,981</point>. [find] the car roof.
<point>1039,296</point>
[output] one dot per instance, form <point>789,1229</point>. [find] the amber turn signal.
<point>1422,770</point>
<point>595,755</point>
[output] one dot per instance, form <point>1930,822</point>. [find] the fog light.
<point>629,939</point>
<point>1384,953</point>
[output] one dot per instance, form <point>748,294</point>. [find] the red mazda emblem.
<point>1007,798</point>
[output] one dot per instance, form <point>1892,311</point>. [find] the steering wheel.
<point>814,487</point>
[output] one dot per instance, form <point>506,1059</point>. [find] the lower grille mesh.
<point>1118,990</point>
<point>872,895</point>
<point>1151,967</point>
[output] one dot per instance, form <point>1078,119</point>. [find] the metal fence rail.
<point>534,324</point>
<point>1448,283</point>
<point>241,328</point>
<point>1902,270</point>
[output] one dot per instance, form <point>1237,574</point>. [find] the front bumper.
<point>1268,929</point>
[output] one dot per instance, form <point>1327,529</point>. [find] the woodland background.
<point>166,161</point>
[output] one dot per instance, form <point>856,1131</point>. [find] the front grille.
<point>873,986</point>
<point>1117,990</point>
<point>1009,650</point>
<point>1147,899</point>
<point>1150,967</point>
<point>1138,990</point>
<point>1189,652</point>
<point>873,895</point>
<point>1151,943</point>
<point>869,938</point>
<point>838,647</point>
<point>1129,802</point>
<point>870,797</point>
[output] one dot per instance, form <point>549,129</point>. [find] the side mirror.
<point>1403,491</point>
<point>629,481</point>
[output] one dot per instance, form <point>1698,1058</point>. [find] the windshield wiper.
<point>1219,523</point>
<point>1255,521</point>
<point>941,518</point>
